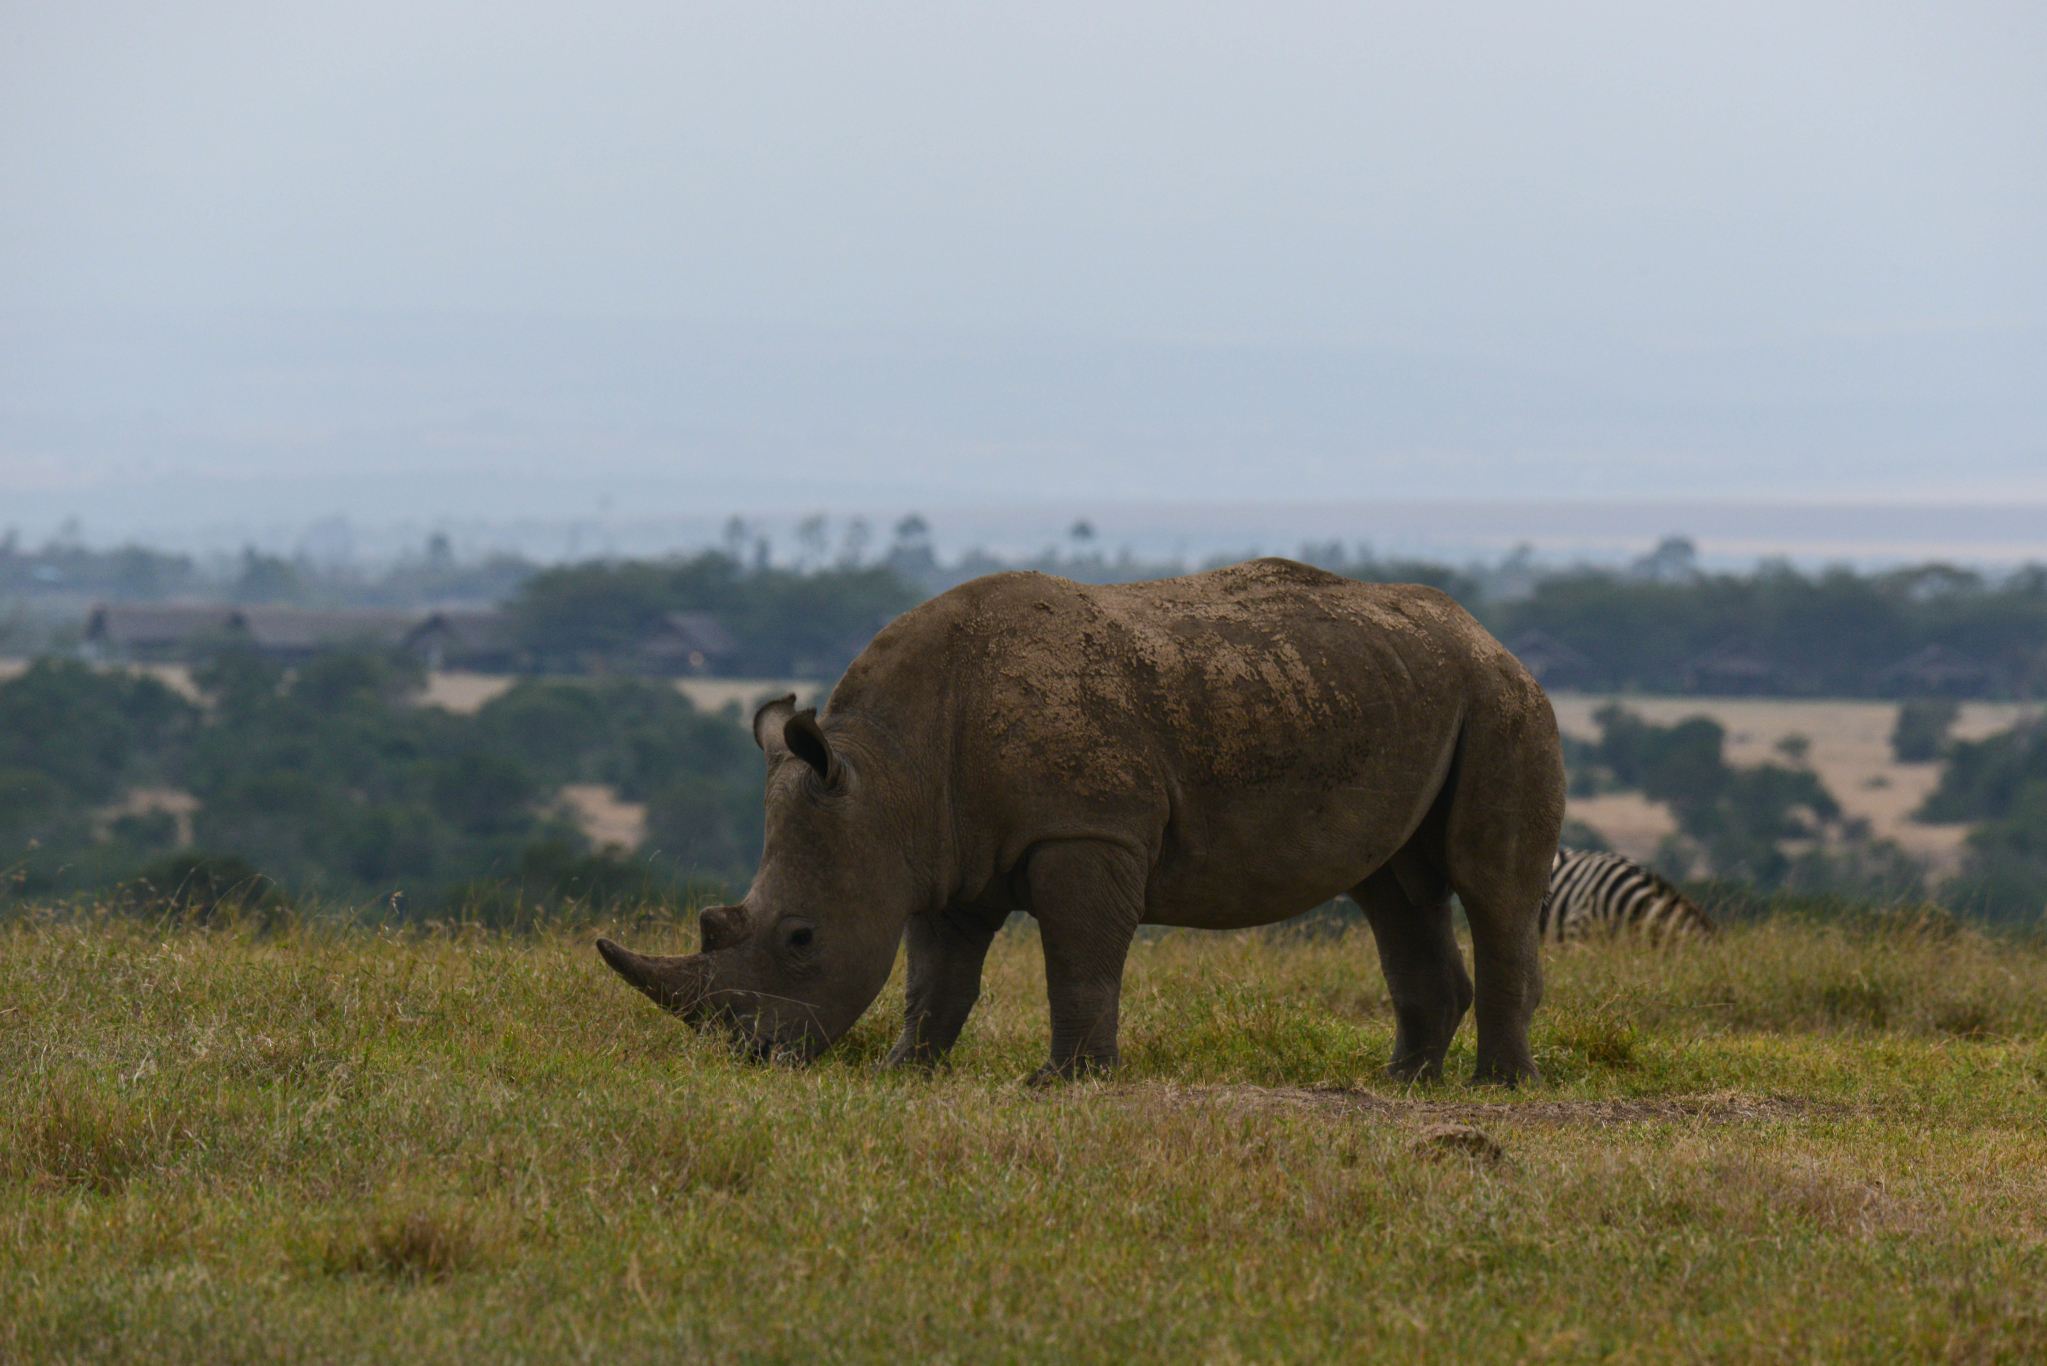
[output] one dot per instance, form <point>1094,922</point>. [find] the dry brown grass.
<point>1790,1143</point>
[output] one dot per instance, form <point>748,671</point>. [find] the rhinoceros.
<point>1222,750</point>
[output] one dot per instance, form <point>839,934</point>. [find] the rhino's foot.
<point>1079,1069</point>
<point>911,1059</point>
<point>1496,1072</point>
<point>922,1070</point>
<point>1416,1067</point>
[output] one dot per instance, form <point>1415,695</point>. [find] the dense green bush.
<point>706,826</point>
<point>86,732</point>
<point>199,886</point>
<point>1738,818</point>
<point>333,782</point>
<point>1985,779</point>
<point>2000,784</point>
<point>1921,733</point>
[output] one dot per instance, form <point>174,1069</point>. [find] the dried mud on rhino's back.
<point>1212,666</point>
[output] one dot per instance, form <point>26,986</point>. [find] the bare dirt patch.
<point>711,694</point>
<point>1712,1107</point>
<point>1631,823</point>
<point>602,817</point>
<point>463,693</point>
<point>145,801</point>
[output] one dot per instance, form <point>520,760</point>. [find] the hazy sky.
<point>1435,250</point>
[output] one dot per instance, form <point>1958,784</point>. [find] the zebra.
<point>1593,893</point>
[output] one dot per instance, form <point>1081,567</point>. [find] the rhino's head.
<point>791,967</point>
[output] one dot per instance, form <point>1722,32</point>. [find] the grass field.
<point>1794,1143</point>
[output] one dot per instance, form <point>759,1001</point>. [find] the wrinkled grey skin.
<point>1221,750</point>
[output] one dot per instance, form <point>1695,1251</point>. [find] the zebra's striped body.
<point>1605,894</point>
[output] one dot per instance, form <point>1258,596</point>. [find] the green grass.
<point>1791,1143</point>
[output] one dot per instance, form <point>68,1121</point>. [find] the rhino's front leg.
<point>944,980</point>
<point>1088,898</point>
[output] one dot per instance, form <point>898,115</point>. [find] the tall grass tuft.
<point>424,1242</point>
<point>75,1136</point>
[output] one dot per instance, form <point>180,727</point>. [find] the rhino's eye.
<point>800,938</point>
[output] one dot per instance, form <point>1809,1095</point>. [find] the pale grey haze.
<point>577,276</point>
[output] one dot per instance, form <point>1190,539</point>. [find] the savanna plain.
<point>296,1141</point>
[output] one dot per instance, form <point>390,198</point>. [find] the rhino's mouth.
<point>793,1040</point>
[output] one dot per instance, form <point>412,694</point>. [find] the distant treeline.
<point>776,623</point>
<point>1659,625</point>
<point>1929,629</point>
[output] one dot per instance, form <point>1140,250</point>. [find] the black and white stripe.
<point>1595,894</point>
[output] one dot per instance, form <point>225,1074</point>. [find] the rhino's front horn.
<point>675,984</point>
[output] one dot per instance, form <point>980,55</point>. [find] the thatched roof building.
<point>288,635</point>
<point>1935,671</point>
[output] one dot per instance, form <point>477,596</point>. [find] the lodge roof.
<point>1936,668</point>
<point>1733,666</point>
<point>467,628</point>
<point>146,627</point>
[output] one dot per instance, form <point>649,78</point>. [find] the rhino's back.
<point>1269,719</point>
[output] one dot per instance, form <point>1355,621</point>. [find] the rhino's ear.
<point>769,721</point>
<point>778,728</point>
<point>805,739</point>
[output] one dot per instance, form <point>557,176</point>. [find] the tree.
<point>267,579</point>
<point>1921,732</point>
<point>811,537</point>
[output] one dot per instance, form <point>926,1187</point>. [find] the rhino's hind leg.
<point>1501,836</point>
<point>944,980</point>
<point>1407,904</point>
<point>1088,897</point>
<point>1507,962</point>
